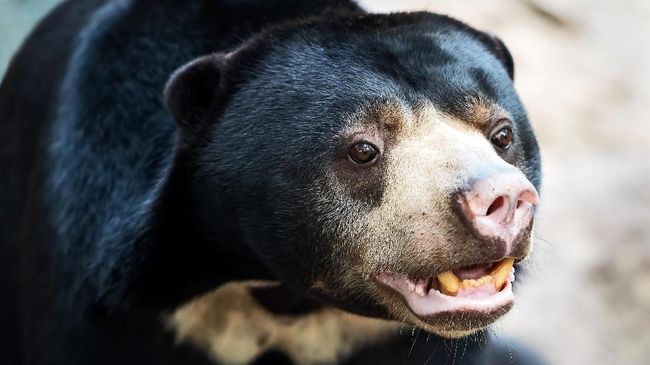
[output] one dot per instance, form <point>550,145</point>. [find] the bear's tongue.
<point>476,280</point>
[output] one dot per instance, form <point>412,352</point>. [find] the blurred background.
<point>583,72</point>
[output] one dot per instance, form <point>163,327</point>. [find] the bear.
<point>311,162</point>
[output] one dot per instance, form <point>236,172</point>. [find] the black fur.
<point>113,213</point>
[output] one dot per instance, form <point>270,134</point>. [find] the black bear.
<point>350,169</point>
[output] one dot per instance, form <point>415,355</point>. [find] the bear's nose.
<point>500,205</point>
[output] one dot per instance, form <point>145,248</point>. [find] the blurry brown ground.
<point>583,71</point>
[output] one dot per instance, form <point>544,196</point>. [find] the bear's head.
<point>382,164</point>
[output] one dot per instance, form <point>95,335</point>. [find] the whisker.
<point>414,340</point>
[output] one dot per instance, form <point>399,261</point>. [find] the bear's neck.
<point>186,254</point>
<point>234,327</point>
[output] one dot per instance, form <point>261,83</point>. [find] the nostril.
<point>496,204</point>
<point>528,196</point>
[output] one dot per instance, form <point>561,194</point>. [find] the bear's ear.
<point>193,91</point>
<point>500,50</point>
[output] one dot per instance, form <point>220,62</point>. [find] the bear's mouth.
<point>481,289</point>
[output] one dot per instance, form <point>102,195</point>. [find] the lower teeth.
<point>450,283</point>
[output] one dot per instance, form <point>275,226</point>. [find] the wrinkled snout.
<point>499,206</point>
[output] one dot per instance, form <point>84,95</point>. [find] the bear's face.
<point>382,164</point>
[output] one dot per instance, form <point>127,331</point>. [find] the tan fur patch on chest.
<point>233,328</point>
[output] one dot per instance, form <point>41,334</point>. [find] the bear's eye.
<point>502,138</point>
<point>363,153</point>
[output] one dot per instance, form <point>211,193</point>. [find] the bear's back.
<point>85,140</point>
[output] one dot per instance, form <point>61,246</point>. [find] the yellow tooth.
<point>449,283</point>
<point>484,280</point>
<point>475,283</point>
<point>501,272</point>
